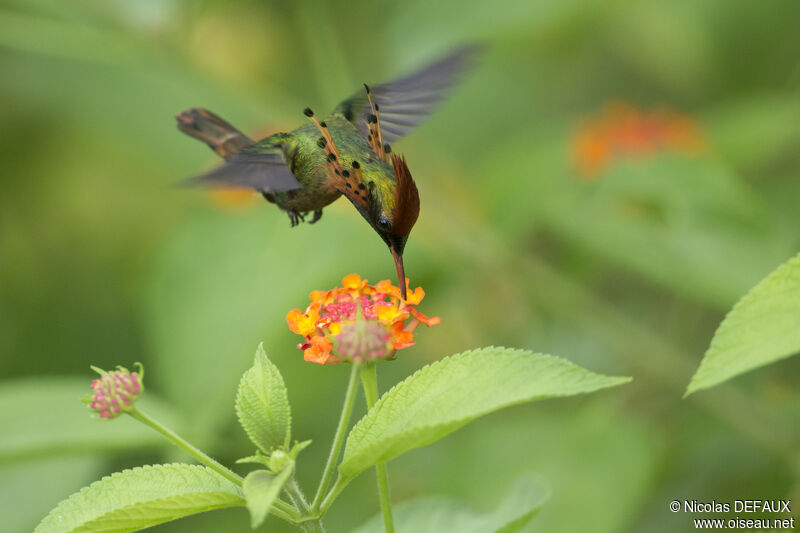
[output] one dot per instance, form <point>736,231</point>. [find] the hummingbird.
<point>348,152</point>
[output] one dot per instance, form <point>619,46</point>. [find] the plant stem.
<point>280,508</point>
<point>310,525</point>
<point>338,487</point>
<point>186,446</point>
<point>386,502</point>
<point>369,380</point>
<point>338,439</point>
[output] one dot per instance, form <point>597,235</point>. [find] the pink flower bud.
<point>363,341</point>
<point>115,391</point>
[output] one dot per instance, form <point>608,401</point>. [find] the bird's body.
<point>348,154</point>
<point>309,164</point>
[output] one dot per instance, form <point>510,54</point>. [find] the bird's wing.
<point>406,102</point>
<point>262,172</point>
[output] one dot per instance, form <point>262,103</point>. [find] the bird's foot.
<point>295,217</point>
<point>316,217</point>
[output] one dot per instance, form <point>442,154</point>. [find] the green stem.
<point>338,439</point>
<point>186,446</point>
<point>338,487</point>
<point>369,380</point>
<point>386,502</point>
<point>310,525</point>
<point>280,509</point>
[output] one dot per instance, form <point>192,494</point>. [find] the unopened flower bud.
<point>363,341</point>
<point>115,391</point>
<point>278,460</point>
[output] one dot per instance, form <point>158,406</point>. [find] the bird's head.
<point>385,195</point>
<point>391,209</point>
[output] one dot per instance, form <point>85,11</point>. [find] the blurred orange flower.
<point>234,199</point>
<point>358,321</point>
<point>242,199</point>
<point>622,130</point>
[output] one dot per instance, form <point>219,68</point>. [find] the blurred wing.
<point>262,172</point>
<point>407,102</point>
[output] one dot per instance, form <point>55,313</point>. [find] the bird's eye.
<point>385,224</point>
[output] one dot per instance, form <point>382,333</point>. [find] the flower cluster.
<point>622,130</point>
<point>358,321</point>
<point>115,391</point>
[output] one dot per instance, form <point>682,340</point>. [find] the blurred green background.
<point>625,269</point>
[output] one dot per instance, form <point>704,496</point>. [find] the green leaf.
<point>763,327</point>
<point>259,458</point>
<point>261,488</point>
<point>262,405</point>
<point>440,514</point>
<point>443,396</point>
<point>142,497</point>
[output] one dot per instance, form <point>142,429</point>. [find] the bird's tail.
<point>220,136</point>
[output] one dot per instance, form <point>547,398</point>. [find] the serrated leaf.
<point>763,327</point>
<point>259,458</point>
<point>443,515</point>
<point>142,497</point>
<point>261,489</point>
<point>262,405</point>
<point>443,396</point>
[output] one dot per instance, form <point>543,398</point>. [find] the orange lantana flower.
<point>622,130</point>
<point>358,321</point>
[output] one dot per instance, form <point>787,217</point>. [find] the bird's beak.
<point>401,273</point>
